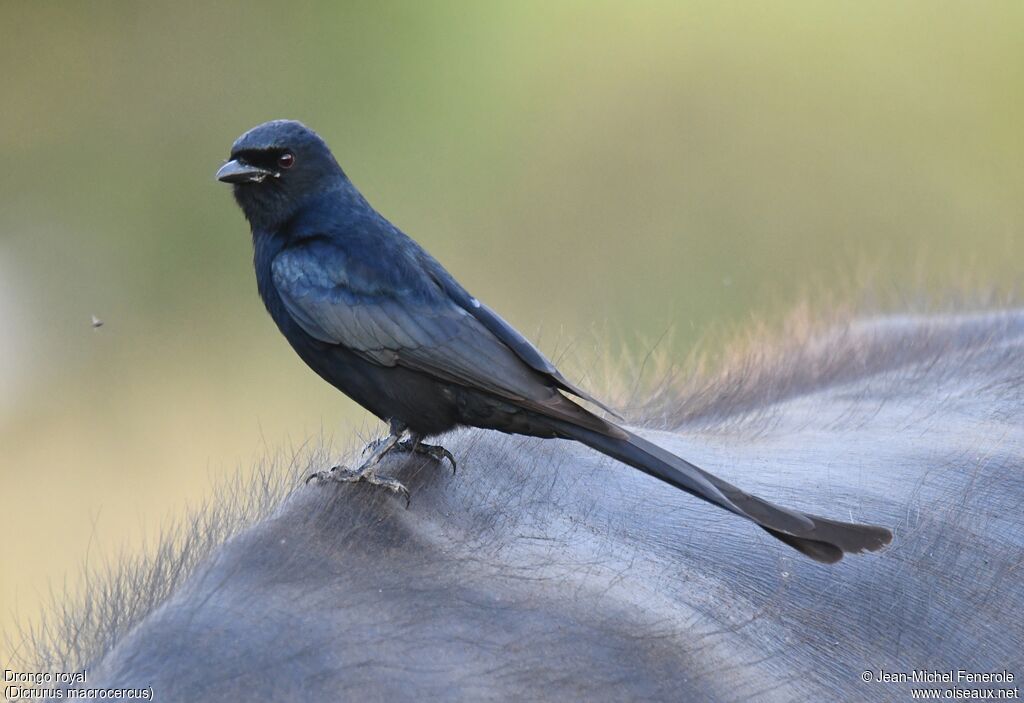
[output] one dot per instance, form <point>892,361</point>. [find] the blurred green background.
<point>628,166</point>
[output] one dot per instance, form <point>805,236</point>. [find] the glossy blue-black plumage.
<point>376,316</point>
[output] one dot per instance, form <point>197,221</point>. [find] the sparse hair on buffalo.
<point>905,419</point>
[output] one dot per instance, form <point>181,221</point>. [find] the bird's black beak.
<point>236,171</point>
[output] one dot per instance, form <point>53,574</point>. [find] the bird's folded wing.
<point>395,314</point>
<point>505,332</point>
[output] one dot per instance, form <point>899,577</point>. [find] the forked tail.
<point>819,538</point>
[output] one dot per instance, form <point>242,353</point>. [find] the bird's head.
<point>275,167</point>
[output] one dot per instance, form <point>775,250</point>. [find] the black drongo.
<point>380,319</point>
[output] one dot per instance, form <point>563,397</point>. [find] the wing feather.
<point>392,316</point>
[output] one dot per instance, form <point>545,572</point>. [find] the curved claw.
<point>435,452</point>
<point>321,475</point>
<point>440,454</point>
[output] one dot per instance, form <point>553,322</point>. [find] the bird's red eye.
<point>286,160</point>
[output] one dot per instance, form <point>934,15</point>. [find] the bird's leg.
<point>375,444</point>
<point>367,471</point>
<point>436,452</point>
<point>396,428</point>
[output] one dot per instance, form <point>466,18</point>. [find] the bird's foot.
<point>368,474</point>
<point>368,470</point>
<point>414,445</point>
<point>434,451</point>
